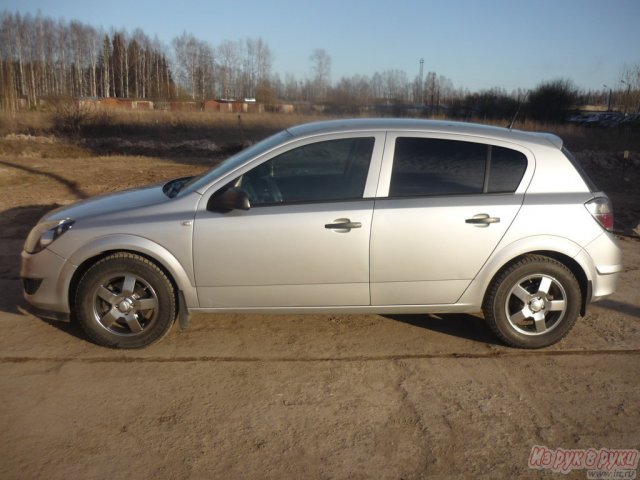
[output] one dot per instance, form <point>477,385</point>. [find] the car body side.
<point>546,215</point>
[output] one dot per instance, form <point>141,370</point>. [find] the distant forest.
<point>43,58</point>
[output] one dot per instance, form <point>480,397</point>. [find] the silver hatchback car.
<point>358,216</point>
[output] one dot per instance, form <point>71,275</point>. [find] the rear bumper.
<point>606,257</point>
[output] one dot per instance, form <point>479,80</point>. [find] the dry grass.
<point>227,128</point>
<point>39,146</point>
<point>165,125</point>
<point>28,123</point>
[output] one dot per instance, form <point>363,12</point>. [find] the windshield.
<point>235,161</point>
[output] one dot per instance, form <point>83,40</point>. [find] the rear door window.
<point>428,166</point>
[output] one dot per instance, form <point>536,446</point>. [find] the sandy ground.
<point>317,396</point>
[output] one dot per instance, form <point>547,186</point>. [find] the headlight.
<point>45,233</point>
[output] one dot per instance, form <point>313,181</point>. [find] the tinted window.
<point>321,171</point>
<point>506,171</point>
<point>424,166</point>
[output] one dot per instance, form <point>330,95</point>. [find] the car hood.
<point>110,203</point>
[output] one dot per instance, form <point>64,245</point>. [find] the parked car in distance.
<point>352,216</point>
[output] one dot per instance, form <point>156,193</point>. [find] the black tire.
<point>125,301</point>
<point>533,303</point>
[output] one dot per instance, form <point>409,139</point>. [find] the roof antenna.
<point>520,103</point>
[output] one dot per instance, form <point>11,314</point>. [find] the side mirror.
<point>230,199</point>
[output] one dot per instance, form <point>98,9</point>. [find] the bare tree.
<point>93,50</point>
<point>206,70</point>
<point>106,66</point>
<point>229,65</point>
<point>40,57</point>
<point>630,94</point>
<point>118,70</point>
<point>256,66</point>
<point>321,68</point>
<point>291,88</point>
<point>194,65</point>
<point>8,86</point>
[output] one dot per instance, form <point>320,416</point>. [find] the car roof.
<point>417,125</point>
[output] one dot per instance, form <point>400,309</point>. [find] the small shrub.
<point>70,116</point>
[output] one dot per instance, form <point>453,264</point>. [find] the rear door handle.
<point>482,220</point>
<point>343,224</point>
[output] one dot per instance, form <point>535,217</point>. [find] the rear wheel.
<point>533,303</point>
<point>125,301</point>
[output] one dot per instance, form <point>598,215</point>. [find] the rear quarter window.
<point>506,170</point>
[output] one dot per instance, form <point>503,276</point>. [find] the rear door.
<point>443,205</point>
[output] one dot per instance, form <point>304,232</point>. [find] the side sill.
<point>368,309</point>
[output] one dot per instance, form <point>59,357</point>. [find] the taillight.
<point>600,209</point>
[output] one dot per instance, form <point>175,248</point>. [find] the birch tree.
<point>321,69</point>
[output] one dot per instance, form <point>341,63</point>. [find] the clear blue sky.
<point>476,43</point>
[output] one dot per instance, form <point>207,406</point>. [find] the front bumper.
<point>53,274</point>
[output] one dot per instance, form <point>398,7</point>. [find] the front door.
<point>305,240</point>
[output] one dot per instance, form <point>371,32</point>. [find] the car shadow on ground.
<point>625,308</point>
<point>459,325</point>
<point>64,325</point>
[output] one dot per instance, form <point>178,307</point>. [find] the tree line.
<point>41,58</point>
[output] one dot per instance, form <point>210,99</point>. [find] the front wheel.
<point>533,303</point>
<point>125,301</point>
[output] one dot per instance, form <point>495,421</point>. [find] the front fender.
<point>143,246</point>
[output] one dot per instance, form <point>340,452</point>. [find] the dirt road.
<point>317,396</point>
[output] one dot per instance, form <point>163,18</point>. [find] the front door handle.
<point>482,220</point>
<point>343,224</point>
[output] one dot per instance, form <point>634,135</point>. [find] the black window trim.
<point>487,169</point>
<point>311,202</point>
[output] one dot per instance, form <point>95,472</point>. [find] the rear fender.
<point>475,292</point>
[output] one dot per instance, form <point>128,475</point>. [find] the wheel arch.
<point>160,256</point>
<point>570,263</point>
<point>560,249</point>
